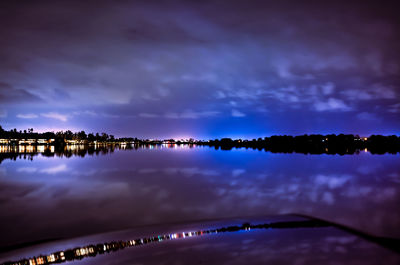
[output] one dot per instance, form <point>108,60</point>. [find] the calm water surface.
<point>52,197</point>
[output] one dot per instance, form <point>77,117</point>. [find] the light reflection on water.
<point>281,240</point>
<point>69,193</point>
<point>276,240</point>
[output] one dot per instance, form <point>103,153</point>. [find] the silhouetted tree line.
<point>306,144</point>
<point>313,144</point>
<point>59,136</point>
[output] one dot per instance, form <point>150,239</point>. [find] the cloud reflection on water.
<point>52,197</point>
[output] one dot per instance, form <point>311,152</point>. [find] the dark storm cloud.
<point>208,59</point>
<point>9,94</point>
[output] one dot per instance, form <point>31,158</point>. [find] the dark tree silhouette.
<point>307,144</point>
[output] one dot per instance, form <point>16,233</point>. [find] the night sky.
<point>202,69</point>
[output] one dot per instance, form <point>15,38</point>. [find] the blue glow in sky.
<point>201,69</point>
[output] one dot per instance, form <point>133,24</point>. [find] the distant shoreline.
<point>307,144</point>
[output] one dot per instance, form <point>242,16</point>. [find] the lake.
<point>81,192</point>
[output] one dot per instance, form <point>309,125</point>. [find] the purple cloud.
<point>189,60</point>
